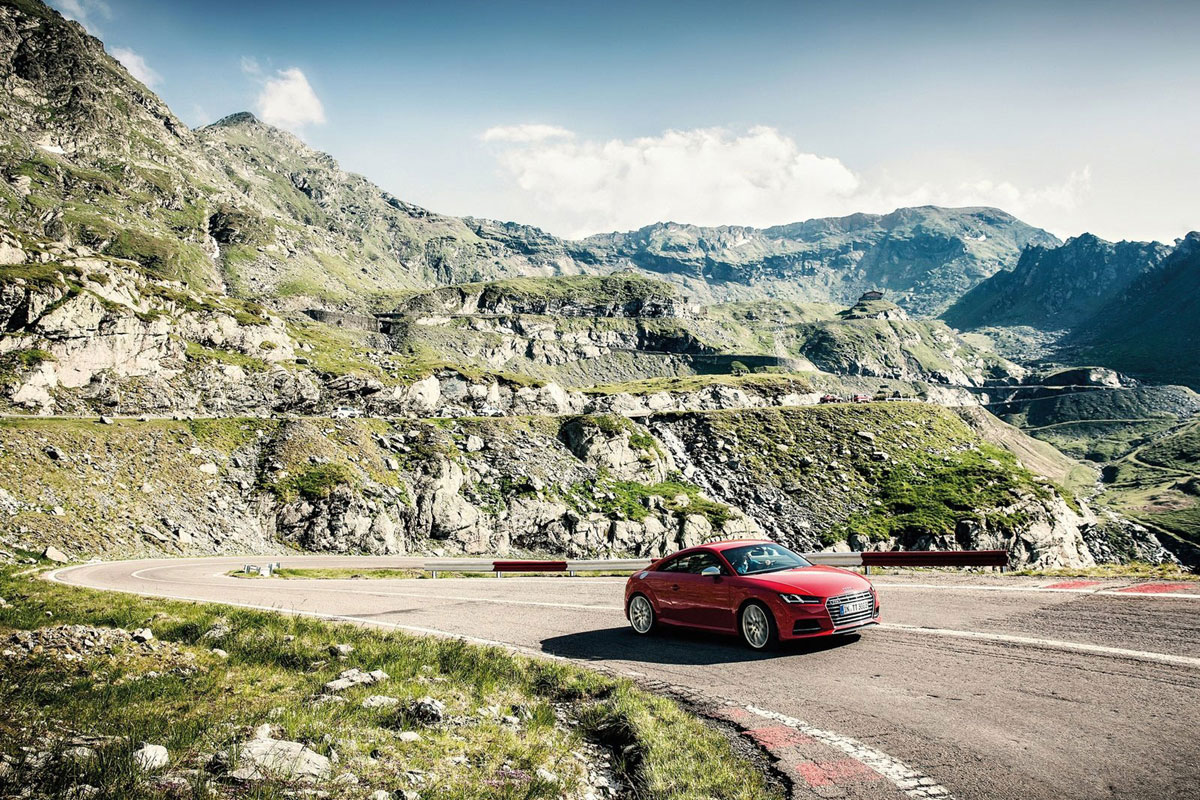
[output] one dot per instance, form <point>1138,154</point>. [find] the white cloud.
<point>85,12</point>
<point>250,66</point>
<point>1049,206</point>
<point>287,100</point>
<point>711,176</point>
<point>137,66</point>
<point>529,132</point>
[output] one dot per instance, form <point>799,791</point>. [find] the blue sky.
<point>582,117</point>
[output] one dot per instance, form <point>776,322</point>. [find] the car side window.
<point>702,561</point>
<point>673,565</point>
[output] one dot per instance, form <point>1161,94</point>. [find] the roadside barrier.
<point>935,558</point>
<point>865,559</point>
<point>435,566</point>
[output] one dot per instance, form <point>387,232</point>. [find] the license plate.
<point>854,608</point>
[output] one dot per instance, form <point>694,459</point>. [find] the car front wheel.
<point>757,627</point>
<point>641,614</point>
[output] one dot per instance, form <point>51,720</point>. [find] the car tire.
<point>641,615</point>
<point>756,626</point>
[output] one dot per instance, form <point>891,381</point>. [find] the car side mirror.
<point>714,572</point>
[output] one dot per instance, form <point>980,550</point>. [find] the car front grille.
<point>834,606</point>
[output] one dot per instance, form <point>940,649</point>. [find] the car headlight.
<point>799,598</point>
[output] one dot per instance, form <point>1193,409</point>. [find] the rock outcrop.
<point>575,486</point>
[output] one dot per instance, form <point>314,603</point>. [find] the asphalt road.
<point>991,687</point>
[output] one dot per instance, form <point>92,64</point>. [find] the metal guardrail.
<point>865,559</point>
<point>936,558</point>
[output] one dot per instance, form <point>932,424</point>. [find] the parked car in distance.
<point>832,398</point>
<point>758,589</point>
<point>345,412</point>
<point>861,398</point>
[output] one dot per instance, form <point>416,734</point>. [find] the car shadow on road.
<point>678,647</point>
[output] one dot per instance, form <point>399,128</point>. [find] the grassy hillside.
<point>1098,423</point>
<point>877,471</point>
<point>508,727</point>
<point>1158,484</point>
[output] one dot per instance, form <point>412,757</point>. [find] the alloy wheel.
<point>756,628</point>
<point>641,614</point>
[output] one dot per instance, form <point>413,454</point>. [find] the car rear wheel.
<point>757,627</point>
<point>641,614</point>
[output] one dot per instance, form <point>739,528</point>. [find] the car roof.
<point>731,543</point>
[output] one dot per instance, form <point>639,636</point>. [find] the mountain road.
<point>976,686</point>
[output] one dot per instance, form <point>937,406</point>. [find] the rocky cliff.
<point>1055,288</point>
<point>574,485</point>
<point>1151,327</point>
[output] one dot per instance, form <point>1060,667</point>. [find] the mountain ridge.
<point>1056,287</point>
<point>91,156</point>
<point>1151,328</point>
<point>925,255</point>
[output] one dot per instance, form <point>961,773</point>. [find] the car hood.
<point>816,580</point>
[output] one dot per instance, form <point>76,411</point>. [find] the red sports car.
<point>758,589</point>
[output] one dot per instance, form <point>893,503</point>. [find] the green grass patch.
<point>920,498</point>
<point>234,358</point>
<point>632,500</point>
<point>192,702</point>
<point>315,483</point>
<point>1132,569</point>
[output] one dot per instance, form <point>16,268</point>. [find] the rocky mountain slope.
<point>906,475</point>
<point>925,257</point>
<point>1055,288</point>
<point>236,290</point>
<point>1130,306</point>
<point>588,330</point>
<point>1151,328</point>
<point>90,156</point>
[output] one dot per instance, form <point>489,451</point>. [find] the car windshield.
<point>755,559</point>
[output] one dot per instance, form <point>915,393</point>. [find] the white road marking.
<point>908,780</point>
<point>1112,592</point>
<point>1056,644</point>
<point>140,575</point>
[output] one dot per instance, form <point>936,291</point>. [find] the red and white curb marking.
<point>912,782</point>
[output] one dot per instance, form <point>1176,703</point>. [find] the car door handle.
<point>675,587</point>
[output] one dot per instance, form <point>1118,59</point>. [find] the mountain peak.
<point>240,118</point>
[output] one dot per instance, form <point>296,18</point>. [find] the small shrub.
<point>316,483</point>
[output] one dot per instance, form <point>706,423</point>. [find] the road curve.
<point>989,687</point>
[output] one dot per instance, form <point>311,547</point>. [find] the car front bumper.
<point>804,621</point>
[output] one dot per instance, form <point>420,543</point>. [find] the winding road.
<point>976,687</point>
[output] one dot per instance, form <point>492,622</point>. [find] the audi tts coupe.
<point>758,589</point>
